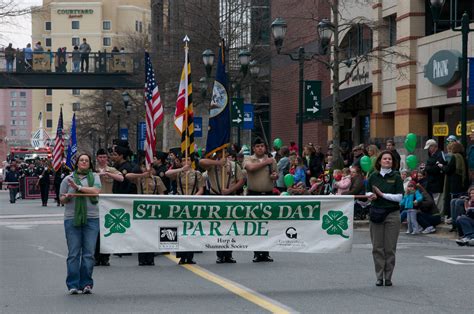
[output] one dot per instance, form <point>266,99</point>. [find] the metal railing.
<point>69,62</point>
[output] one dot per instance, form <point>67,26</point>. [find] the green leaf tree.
<point>117,220</point>
<point>335,223</point>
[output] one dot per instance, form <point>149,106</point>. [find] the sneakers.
<point>417,231</point>
<point>73,291</point>
<point>428,230</point>
<point>87,290</point>
<point>408,231</point>
<point>463,241</point>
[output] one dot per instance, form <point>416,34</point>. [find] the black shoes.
<point>262,258</point>
<point>379,283</point>
<point>184,261</point>
<point>220,260</point>
<point>102,263</point>
<point>146,264</point>
<point>228,260</point>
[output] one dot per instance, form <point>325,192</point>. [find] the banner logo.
<point>117,220</point>
<point>291,233</point>
<point>335,223</point>
<point>169,238</point>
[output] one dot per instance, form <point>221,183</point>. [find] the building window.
<point>140,27</point>
<point>23,94</point>
<point>106,25</point>
<point>22,113</point>
<point>47,26</point>
<point>49,107</point>
<point>76,41</point>
<point>76,106</point>
<point>75,24</point>
<point>13,122</point>
<point>13,94</point>
<point>136,26</point>
<point>22,103</point>
<point>13,132</point>
<point>49,123</point>
<point>76,92</point>
<point>49,92</point>
<point>22,132</point>
<point>48,42</point>
<point>392,30</point>
<point>13,113</point>
<point>106,41</point>
<point>13,103</point>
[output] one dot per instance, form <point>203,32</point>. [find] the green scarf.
<point>80,209</point>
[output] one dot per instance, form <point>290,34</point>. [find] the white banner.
<point>151,223</point>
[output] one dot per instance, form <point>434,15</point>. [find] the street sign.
<point>248,117</point>
<point>237,111</point>
<point>141,131</point>
<point>312,99</point>
<point>197,126</point>
<point>124,134</point>
<point>440,129</point>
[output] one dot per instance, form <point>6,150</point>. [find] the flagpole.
<point>186,103</point>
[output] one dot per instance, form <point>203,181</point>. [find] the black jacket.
<point>455,180</point>
<point>434,174</point>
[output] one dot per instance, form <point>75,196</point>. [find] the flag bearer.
<point>228,184</point>
<point>194,186</point>
<point>261,176</point>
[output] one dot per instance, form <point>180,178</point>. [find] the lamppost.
<point>128,109</point>
<point>208,60</point>
<point>325,30</point>
<point>108,110</point>
<point>436,6</point>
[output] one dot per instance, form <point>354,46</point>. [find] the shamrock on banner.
<point>335,223</point>
<point>117,220</point>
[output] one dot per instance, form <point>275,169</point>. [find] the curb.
<point>441,229</point>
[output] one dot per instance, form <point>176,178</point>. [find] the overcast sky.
<point>17,30</point>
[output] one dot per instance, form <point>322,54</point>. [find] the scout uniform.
<point>195,182</point>
<point>259,182</point>
<point>232,174</point>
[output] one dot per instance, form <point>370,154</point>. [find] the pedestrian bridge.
<point>54,70</point>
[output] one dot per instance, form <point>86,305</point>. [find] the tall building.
<point>15,119</point>
<point>64,23</point>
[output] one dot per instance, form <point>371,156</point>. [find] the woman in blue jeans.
<point>81,224</point>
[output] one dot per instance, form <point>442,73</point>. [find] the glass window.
<point>136,26</point>
<point>107,41</point>
<point>13,103</point>
<point>13,122</point>
<point>140,26</point>
<point>76,41</point>
<point>49,92</point>
<point>47,26</point>
<point>22,113</point>
<point>22,103</point>
<point>48,42</point>
<point>22,132</point>
<point>49,123</point>
<point>392,30</point>
<point>13,94</point>
<point>75,24</point>
<point>76,92</point>
<point>76,106</point>
<point>106,25</point>
<point>49,107</point>
<point>13,114</point>
<point>22,94</point>
<point>13,132</point>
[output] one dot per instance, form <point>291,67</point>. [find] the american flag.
<point>154,110</point>
<point>58,150</point>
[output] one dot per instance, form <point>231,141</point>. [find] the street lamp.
<point>254,68</point>
<point>203,86</point>
<point>325,30</point>
<point>208,60</point>
<point>108,108</point>
<point>436,7</point>
<point>244,60</point>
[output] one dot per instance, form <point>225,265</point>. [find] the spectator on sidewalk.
<point>466,222</point>
<point>9,57</point>
<point>13,182</point>
<point>429,215</point>
<point>434,171</point>
<point>390,146</point>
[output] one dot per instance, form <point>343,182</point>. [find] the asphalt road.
<point>433,275</point>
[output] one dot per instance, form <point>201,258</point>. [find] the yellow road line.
<point>244,292</point>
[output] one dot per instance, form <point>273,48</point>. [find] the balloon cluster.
<point>366,163</point>
<point>277,143</point>
<point>410,145</point>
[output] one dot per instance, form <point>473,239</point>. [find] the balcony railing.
<point>99,62</point>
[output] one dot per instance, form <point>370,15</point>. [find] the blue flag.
<point>72,146</point>
<point>218,134</point>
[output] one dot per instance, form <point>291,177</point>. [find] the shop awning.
<point>345,94</point>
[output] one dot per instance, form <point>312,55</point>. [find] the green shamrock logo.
<point>335,223</point>
<point>117,220</point>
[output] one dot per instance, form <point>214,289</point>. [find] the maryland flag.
<point>184,115</point>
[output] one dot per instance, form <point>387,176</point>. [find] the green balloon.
<point>366,163</point>
<point>284,194</point>
<point>412,162</point>
<point>277,143</point>
<point>410,141</point>
<point>289,180</point>
<point>409,146</point>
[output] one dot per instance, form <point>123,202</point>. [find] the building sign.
<point>440,129</point>
<point>248,117</point>
<point>75,12</point>
<point>197,126</point>
<point>312,99</point>
<point>237,111</point>
<point>443,68</point>
<point>469,128</point>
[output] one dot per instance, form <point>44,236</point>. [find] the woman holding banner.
<point>385,191</point>
<point>81,223</point>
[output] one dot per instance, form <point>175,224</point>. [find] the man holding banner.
<point>261,175</point>
<point>225,177</point>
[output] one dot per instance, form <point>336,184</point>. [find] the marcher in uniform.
<point>261,175</point>
<point>385,191</point>
<point>229,184</point>
<point>195,187</point>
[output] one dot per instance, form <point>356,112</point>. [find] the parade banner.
<point>152,223</point>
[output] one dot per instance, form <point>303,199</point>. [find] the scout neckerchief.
<point>181,184</point>
<point>219,190</point>
<point>80,204</point>
<point>155,186</point>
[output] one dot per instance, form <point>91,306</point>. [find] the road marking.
<point>30,216</point>
<point>32,223</point>
<point>41,248</point>
<point>399,245</point>
<point>238,289</point>
<point>455,259</point>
